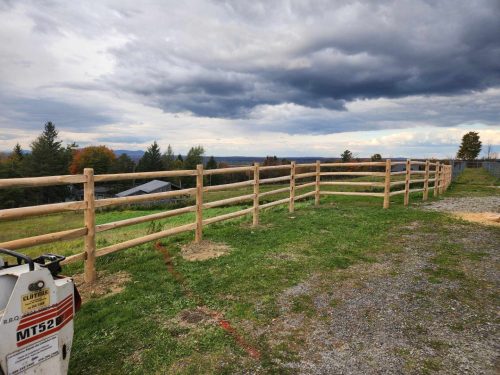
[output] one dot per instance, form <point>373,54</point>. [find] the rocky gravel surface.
<point>466,204</point>
<point>392,317</point>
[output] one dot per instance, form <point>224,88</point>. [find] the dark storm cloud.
<point>386,49</point>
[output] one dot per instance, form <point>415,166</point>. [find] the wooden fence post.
<point>318,180</point>
<point>256,190</point>
<point>291,205</point>
<point>436,180</point>
<point>90,273</point>
<point>199,204</point>
<point>387,184</point>
<point>407,182</point>
<point>426,181</point>
<point>443,179</point>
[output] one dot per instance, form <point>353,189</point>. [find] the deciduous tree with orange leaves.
<point>100,158</point>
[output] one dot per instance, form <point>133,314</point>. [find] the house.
<point>151,187</point>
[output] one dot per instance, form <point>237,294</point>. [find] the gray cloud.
<point>228,59</point>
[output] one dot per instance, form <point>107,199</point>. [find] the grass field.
<point>138,331</point>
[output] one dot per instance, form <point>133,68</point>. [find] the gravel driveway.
<point>402,315</point>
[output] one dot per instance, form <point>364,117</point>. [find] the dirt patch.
<point>486,218</point>
<point>204,250</point>
<point>107,284</point>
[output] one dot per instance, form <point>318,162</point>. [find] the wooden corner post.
<point>90,273</point>
<point>442,183</point>
<point>436,180</point>
<point>318,181</point>
<point>256,191</point>
<point>387,183</point>
<point>425,196</point>
<point>199,204</point>
<point>407,182</point>
<point>291,205</point>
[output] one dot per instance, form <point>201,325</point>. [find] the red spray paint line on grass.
<point>216,315</point>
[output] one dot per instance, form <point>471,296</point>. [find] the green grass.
<point>474,181</point>
<point>137,330</point>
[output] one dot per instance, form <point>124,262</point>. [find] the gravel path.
<point>393,318</point>
<point>467,204</point>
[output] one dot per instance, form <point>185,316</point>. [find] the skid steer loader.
<point>37,306</point>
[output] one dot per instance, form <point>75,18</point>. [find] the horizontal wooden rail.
<point>275,203</point>
<point>420,180</point>
<point>416,162</point>
<point>303,186</point>
<point>398,173</point>
<point>227,201</point>
<point>351,193</point>
<point>416,190</point>
<point>306,165</point>
<point>273,167</point>
<point>348,183</point>
<point>41,181</point>
<point>73,258</point>
<point>208,172</point>
<point>143,219</point>
<point>143,198</point>
<point>44,239</point>
<point>379,174</point>
<point>396,192</point>
<point>228,216</point>
<point>304,175</point>
<point>357,164</point>
<point>276,191</point>
<point>417,172</point>
<point>228,186</point>
<point>15,213</point>
<point>274,179</point>
<point>143,175</point>
<point>302,196</point>
<point>145,239</point>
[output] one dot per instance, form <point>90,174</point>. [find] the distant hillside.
<point>135,155</point>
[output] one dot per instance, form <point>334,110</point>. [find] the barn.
<point>155,186</point>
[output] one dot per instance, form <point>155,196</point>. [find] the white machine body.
<point>36,321</point>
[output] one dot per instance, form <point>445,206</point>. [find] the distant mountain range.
<point>241,160</point>
<point>232,160</point>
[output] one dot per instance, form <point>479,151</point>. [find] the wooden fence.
<point>433,176</point>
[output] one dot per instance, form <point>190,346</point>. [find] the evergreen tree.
<point>151,160</point>
<point>211,163</point>
<point>470,147</point>
<point>123,164</point>
<point>194,157</point>
<point>376,157</point>
<point>346,156</point>
<point>168,159</point>
<point>48,158</point>
<point>180,158</point>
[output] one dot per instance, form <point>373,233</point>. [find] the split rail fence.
<point>433,176</point>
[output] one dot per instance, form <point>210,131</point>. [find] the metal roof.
<point>146,188</point>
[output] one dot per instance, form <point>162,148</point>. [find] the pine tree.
<point>346,156</point>
<point>211,163</point>
<point>194,157</point>
<point>151,160</point>
<point>470,147</point>
<point>48,158</point>
<point>168,159</point>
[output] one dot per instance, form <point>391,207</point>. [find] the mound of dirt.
<point>486,218</point>
<point>106,285</point>
<point>204,250</point>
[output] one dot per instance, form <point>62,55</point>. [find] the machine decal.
<point>35,300</point>
<point>31,355</point>
<point>43,323</point>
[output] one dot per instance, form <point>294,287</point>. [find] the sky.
<point>252,78</point>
